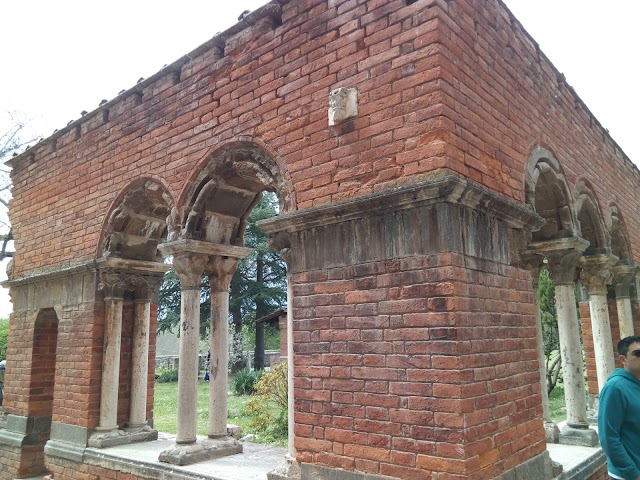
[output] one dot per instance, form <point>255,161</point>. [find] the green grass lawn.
<point>165,409</point>
<point>556,404</point>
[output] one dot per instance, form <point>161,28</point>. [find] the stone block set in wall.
<point>415,217</point>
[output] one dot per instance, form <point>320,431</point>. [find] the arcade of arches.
<point>414,231</point>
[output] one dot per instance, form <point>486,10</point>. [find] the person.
<point>619,414</point>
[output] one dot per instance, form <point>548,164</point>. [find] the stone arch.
<point>620,246</point>
<point>223,190</point>
<point>547,192</point>
<point>137,221</point>
<point>590,219</point>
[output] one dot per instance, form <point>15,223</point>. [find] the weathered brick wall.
<point>402,364</point>
<point>479,115</point>
<point>503,97</point>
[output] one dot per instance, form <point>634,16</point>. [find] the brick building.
<point>414,227</point>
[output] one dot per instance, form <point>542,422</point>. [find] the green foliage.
<point>168,376</point>
<point>4,334</point>
<point>546,293</point>
<point>550,339</point>
<point>269,403</point>
<point>271,337</point>
<point>245,381</point>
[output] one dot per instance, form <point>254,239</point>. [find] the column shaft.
<point>188,366</point>
<point>602,343</point>
<point>218,383</point>
<point>111,365</point>
<point>571,356</point>
<point>140,365</point>
<point>625,317</point>
<point>290,403</point>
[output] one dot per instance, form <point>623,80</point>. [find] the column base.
<point>101,439</point>
<point>201,450</point>
<point>584,437</point>
<point>551,432</point>
<point>287,471</point>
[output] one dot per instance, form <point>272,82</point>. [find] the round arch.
<point>137,221</point>
<point>547,192</point>
<point>620,245</point>
<point>224,188</point>
<point>590,219</point>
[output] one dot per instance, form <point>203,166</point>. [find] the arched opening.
<point>42,385</point>
<point>547,193</point>
<point>137,222</point>
<point>590,223</point>
<point>208,232</point>
<point>619,238</point>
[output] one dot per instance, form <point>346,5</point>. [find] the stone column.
<point>191,259</point>
<point>189,268</point>
<point>562,263</point>
<point>107,431</point>
<point>145,291</point>
<point>596,275</point>
<point>623,278</point>
<point>220,273</point>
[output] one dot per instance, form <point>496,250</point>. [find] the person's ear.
<point>622,359</point>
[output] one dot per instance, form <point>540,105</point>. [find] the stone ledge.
<point>121,437</point>
<point>64,450</point>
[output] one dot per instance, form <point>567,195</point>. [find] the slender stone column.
<point>145,290</point>
<point>624,276</point>
<point>114,289</point>
<point>221,271</point>
<point>191,259</point>
<point>189,268</point>
<point>596,275</point>
<point>290,366</point>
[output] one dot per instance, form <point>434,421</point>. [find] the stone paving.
<point>253,464</point>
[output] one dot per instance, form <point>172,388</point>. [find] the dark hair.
<point>623,345</point>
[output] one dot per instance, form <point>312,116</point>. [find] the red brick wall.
<point>416,365</point>
<point>479,115</point>
<point>589,349</point>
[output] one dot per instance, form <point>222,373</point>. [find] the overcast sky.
<point>61,57</point>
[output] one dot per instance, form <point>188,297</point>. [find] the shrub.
<point>4,333</point>
<point>245,381</point>
<point>269,403</point>
<point>168,376</point>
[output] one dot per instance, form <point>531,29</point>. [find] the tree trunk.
<point>258,356</point>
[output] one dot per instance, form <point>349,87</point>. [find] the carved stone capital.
<point>220,271</point>
<point>112,283</point>
<point>624,277</point>
<point>145,287</point>
<point>189,268</point>
<point>281,242</point>
<point>596,272</point>
<point>562,256</point>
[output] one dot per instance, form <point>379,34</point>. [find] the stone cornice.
<point>89,266</point>
<point>448,188</point>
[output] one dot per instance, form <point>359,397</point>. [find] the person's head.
<point>629,351</point>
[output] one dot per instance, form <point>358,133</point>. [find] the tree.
<point>10,141</point>
<point>257,288</point>
<point>549,318</point>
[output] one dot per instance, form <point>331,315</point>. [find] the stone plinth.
<point>201,450</point>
